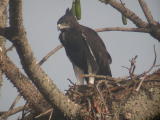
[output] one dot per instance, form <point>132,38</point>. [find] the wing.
<point>99,50</point>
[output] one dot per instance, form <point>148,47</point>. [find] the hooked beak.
<point>62,26</point>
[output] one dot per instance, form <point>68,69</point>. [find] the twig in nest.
<point>50,54</point>
<point>70,81</point>
<point>51,115</point>
<point>89,105</point>
<point>140,84</point>
<point>153,65</point>
<point>154,62</point>
<point>143,75</point>
<point>101,96</point>
<point>24,112</point>
<point>132,67</point>
<point>44,113</point>
<point>125,67</point>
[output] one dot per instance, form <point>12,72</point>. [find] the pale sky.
<point>40,20</point>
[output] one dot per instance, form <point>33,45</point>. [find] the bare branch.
<point>44,113</point>
<point>44,84</point>
<point>154,62</point>
<point>144,30</point>
<point>101,77</point>
<point>15,101</point>
<point>132,67</point>
<point>140,84</point>
<point>147,12</point>
<point>13,111</point>
<point>50,54</point>
<point>23,84</point>
<point>3,6</point>
<point>101,96</point>
<point>127,13</point>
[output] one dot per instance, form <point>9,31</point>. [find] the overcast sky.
<point>40,20</point>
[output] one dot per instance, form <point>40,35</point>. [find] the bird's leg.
<point>78,73</point>
<point>91,79</point>
<point>90,72</point>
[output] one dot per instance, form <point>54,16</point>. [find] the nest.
<point>98,99</point>
<point>103,99</point>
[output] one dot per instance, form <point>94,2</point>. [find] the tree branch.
<point>23,84</point>
<point>154,28</point>
<point>127,13</point>
<point>50,54</point>
<point>147,12</point>
<point>33,70</point>
<point>144,30</point>
<point>13,111</point>
<point>3,6</point>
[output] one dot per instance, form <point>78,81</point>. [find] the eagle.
<point>84,48</point>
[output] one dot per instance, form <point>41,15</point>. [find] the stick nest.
<point>99,99</point>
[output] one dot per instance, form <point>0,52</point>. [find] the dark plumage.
<point>84,47</point>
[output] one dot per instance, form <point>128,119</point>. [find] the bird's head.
<point>67,21</point>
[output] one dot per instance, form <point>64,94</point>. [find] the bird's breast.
<point>73,41</point>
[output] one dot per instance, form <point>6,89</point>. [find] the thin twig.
<point>146,11</point>
<point>140,84</point>
<point>125,67</point>
<point>128,13</point>
<point>89,105</point>
<point>153,65</point>
<point>157,65</point>
<point>154,62</point>
<point>44,113</point>
<point>50,54</point>
<point>51,115</point>
<point>15,101</point>
<point>13,111</point>
<point>24,112</point>
<point>133,66</point>
<point>97,30</point>
<point>143,30</point>
<point>71,81</point>
<point>101,96</point>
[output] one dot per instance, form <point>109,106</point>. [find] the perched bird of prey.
<point>84,48</point>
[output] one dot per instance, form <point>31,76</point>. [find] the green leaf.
<point>73,8</point>
<point>124,20</point>
<point>78,9</point>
